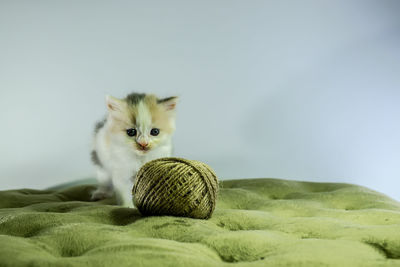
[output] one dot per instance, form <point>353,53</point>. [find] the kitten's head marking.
<point>144,120</point>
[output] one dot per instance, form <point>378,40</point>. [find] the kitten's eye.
<point>154,131</point>
<point>131,132</point>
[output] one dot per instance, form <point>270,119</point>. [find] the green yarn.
<point>175,186</point>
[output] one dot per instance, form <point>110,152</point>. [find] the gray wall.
<point>305,90</point>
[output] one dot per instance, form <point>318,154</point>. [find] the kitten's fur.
<point>117,155</point>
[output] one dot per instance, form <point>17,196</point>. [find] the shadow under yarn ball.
<point>177,187</point>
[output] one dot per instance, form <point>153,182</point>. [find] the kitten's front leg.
<point>104,188</point>
<point>123,185</point>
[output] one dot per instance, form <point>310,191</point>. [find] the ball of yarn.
<point>177,187</point>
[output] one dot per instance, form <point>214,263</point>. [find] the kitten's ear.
<point>168,103</point>
<point>115,106</point>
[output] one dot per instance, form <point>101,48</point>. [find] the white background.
<point>305,90</point>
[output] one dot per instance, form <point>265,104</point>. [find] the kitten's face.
<point>143,120</point>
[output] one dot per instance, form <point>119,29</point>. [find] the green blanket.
<point>257,222</point>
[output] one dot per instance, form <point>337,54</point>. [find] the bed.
<point>257,222</point>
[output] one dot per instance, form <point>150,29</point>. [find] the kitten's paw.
<point>127,204</point>
<point>100,195</point>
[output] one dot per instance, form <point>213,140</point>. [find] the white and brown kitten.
<point>136,130</point>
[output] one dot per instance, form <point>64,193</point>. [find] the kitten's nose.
<point>143,144</point>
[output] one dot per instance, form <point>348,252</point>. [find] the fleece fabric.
<point>257,222</point>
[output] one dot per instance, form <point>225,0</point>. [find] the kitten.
<point>136,130</point>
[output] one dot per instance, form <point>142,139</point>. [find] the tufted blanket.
<point>257,222</point>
